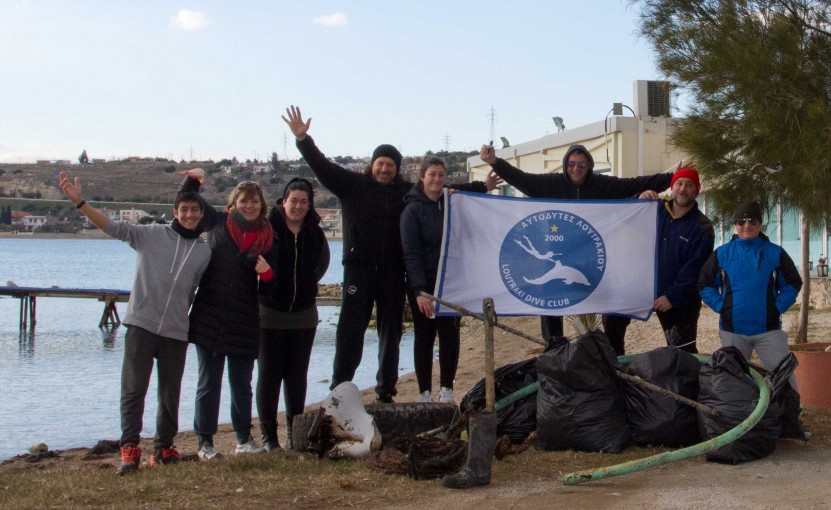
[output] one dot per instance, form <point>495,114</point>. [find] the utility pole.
<point>446,142</point>
<point>285,147</point>
<point>492,120</point>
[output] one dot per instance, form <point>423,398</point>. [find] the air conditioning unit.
<point>651,98</point>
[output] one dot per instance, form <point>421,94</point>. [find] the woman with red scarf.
<point>224,319</point>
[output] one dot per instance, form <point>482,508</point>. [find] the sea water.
<point>60,381</point>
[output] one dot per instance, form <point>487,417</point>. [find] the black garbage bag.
<point>786,397</point>
<point>580,404</point>
<point>518,419</point>
<point>655,419</point>
<point>726,386</point>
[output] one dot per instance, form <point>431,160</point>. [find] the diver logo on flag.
<point>552,259</point>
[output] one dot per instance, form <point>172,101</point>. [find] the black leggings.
<point>425,336</point>
<point>284,357</point>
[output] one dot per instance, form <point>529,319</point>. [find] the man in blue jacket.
<point>750,282</point>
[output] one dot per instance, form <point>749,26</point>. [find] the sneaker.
<point>446,396</point>
<point>165,456</point>
<point>207,452</point>
<point>130,459</point>
<point>250,447</point>
<point>425,396</point>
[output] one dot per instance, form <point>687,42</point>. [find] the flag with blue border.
<point>548,257</point>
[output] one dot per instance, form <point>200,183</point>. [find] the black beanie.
<point>750,210</point>
<point>389,151</point>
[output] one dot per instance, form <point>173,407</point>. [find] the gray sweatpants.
<point>771,347</point>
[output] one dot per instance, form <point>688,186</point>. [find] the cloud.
<point>189,21</point>
<point>337,19</point>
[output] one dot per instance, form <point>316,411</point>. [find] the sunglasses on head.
<point>249,183</point>
<point>582,165</point>
<point>751,221</point>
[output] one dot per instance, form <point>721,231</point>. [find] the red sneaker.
<point>165,456</point>
<point>130,459</point>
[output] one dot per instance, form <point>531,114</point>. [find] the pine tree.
<point>757,78</point>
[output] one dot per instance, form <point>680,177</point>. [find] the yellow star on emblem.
<point>554,228</point>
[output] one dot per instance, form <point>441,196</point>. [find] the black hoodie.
<point>559,185</point>
<point>302,260</point>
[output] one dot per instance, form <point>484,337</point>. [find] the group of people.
<point>244,292</point>
<point>256,276</point>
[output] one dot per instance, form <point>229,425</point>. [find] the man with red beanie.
<point>685,241</point>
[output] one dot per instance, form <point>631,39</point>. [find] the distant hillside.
<point>142,182</point>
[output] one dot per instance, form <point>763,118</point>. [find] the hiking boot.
<point>386,398</point>
<point>165,456</point>
<point>130,459</point>
<point>207,452</point>
<point>425,396</point>
<point>446,396</point>
<point>250,447</point>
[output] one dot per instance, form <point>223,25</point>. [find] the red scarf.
<point>255,236</point>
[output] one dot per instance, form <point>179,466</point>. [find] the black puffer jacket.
<point>303,259</point>
<point>225,316</point>
<point>422,224</point>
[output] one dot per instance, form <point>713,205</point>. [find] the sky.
<point>211,79</point>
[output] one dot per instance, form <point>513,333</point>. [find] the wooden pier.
<point>109,318</point>
<point>28,302</point>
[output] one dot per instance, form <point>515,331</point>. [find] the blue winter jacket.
<point>684,244</point>
<point>750,283</point>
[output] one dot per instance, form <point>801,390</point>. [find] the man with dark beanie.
<point>577,181</point>
<point>373,261</point>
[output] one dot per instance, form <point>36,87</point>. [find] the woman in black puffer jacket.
<point>288,311</point>
<point>224,319</point>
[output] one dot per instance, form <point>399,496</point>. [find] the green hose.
<point>684,453</point>
<point>666,457</point>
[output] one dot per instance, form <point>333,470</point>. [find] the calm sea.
<point>60,384</point>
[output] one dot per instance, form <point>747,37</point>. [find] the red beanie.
<point>687,173</point>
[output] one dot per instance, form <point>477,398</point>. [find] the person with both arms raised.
<point>577,181</point>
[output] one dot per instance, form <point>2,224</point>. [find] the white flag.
<point>548,257</point>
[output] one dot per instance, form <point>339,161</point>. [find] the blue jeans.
<point>209,391</point>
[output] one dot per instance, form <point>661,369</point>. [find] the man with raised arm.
<point>577,181</point>
<point>373,261</point>
<point>170,260</point>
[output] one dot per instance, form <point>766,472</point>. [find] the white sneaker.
<point>250,447</point>
<point>446,396</point>
<point>207,452</point>
<point>425,396</point>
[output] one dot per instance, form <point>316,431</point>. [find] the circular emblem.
<point>552,260</point>
<point>351,289</point>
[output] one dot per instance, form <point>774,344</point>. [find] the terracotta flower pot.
<point>814,374</point>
